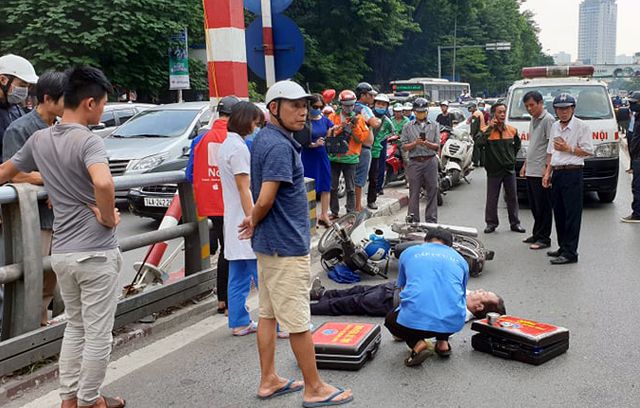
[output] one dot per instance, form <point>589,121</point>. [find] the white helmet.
<point>408,106</point>
<point>382,98</point>
<point>398,107</point>
<point>285,90</point>
<point>18,67</point>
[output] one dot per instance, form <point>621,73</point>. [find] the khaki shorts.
<point>284,284</point>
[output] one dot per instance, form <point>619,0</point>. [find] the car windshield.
<point>158,123</point>
<point>592,102</point>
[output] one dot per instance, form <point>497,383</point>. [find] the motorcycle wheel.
<point>348,222</point>
<point>472,251</point>
<point>455,176</point>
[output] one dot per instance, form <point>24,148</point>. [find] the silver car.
<point>116,114</point>
<point>159,134</point>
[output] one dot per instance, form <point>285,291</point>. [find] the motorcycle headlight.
<point>149,162</point>
<point>609,150</point>
<point>522,153</point>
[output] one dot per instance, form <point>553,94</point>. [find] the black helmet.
<point>634,97</point>
<point>364,88</point>
<point>226,103</point>
<point>420,105</point>
<point>564,100</point>
<point>472,106</point>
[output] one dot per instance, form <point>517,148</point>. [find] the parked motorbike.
<point>354,231</point>
<point>395,163</point>
<point>457,154</point>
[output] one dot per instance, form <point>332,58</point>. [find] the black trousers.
<point>374,169</point>
<point>494,184</point>
<point>635,187</point>
<point>216,240</point>
<point>566,189</point>
<point>382,166</point>
<point>358,300</point>
<point>540,203</point>
<point>410,336</point>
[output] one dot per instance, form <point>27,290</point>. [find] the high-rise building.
<point>597,32</point>
<point>562,58</point>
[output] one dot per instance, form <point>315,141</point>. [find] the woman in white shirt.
<point>235,169</point>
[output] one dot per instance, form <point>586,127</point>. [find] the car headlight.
<point>522,153</point>
<point>149,162</point>
<point>609,150</point>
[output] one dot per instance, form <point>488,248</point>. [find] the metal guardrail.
<point>23,341</point>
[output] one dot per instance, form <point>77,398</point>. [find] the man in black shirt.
<point>444,119</point>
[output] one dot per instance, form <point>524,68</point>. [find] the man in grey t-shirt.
<point>534,167</point>
<point>85,256</point>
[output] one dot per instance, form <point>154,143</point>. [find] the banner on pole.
<point>179,61</point>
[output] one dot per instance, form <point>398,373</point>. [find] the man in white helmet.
<point>280,231</point>
<point>16,74</point>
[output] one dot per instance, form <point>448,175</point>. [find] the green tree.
<point>126,38</point>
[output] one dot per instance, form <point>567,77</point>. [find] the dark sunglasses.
<point>317,106</point>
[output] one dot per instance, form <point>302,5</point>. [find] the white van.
<point>593,106</point>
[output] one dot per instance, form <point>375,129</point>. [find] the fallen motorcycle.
<point>355,231</point>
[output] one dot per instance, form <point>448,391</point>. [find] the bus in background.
<point>434,89</point>
<point>593,106</point>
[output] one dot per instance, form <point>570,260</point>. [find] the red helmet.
<point>328,95</point>
<point>347,97</point>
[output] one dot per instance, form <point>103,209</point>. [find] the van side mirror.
<point>99,126</point>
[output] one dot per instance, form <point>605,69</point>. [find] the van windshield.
<point>592,101</point>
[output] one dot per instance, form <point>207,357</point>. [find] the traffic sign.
<point>288,46</point>
<point>277,6</point>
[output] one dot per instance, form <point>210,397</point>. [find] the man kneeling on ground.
<point>433,278</point>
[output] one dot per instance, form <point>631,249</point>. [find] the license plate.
<point>157,202</point>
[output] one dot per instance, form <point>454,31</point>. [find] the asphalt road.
<point>596,299</point>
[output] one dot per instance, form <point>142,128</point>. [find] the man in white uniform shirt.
<point>569,144</point>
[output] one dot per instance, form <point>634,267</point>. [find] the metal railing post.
<point>22,239</point>
<point>196,245</point>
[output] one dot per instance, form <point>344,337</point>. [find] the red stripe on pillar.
<point>230,79</point>
<point>267,39</point>
<point>224,13</point>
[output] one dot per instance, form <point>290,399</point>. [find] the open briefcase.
<point>345,346</point>
<point>520,339</point>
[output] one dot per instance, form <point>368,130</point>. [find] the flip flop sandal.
<point>251,328</point>
<point>539,245</point>
<point>330,401</point>
<point>286,389</point>
<point>416,359</point>
<point>324,223</point>
<point>109,402</point>
<point>445,353</point>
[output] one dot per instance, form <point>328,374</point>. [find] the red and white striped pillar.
<point>267,40</point>
<point>226,49</point>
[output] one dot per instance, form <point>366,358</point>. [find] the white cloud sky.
<point>558,21</point>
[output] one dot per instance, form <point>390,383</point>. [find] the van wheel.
<point>607,196</point>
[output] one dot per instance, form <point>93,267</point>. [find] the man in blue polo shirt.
<point>279,225</point>
<point>433,278</point>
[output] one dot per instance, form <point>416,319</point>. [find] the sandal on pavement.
<point>326,224</point>
<point>330,401</point>
<point>108,402</point>
<point>539,245</point>
<point>288,388</point>
<point>416,359</point>
<point>445,353</point>
<point>251,328</point>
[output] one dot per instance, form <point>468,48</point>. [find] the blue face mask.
<point>380,111</point>
<point>315,112</point>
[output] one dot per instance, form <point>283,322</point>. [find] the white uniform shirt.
<point>576,134</point>
<point>234,159</point>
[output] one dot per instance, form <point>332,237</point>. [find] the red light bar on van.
<point>558,72</point>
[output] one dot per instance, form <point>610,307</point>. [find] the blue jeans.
<point>241,272</point>
<point>362,170</point>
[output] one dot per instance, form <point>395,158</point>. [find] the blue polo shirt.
<point>285,231</point>
<point>434,281</point>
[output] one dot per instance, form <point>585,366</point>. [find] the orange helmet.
<point>347,97</point>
